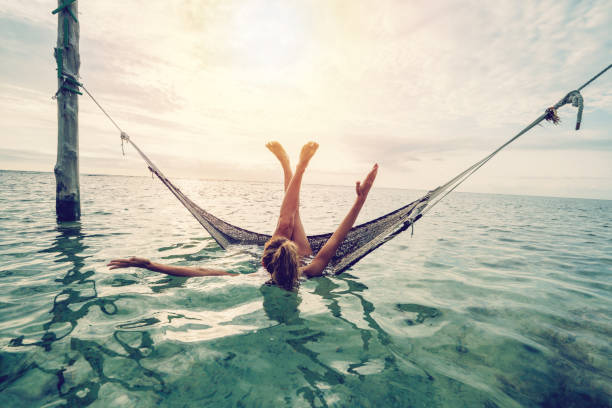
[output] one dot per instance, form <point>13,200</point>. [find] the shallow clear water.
<point>496,301</point>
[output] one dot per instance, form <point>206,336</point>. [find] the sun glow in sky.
<point>423,88</point>
<point>269,36</point>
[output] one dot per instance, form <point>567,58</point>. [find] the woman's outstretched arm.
<point>316,267</point>
<point>187,271</point>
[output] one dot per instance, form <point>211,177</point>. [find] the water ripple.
<point>502,306</point>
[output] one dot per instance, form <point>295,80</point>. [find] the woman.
<point>284,253</point>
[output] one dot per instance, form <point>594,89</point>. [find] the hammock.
<point>360,241</point>
<point>364,238</point>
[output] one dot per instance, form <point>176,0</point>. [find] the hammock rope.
<point>364,238</point>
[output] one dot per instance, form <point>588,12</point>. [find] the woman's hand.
<point>129,263</point>
<point>363,188</point>
<point>326,253</point>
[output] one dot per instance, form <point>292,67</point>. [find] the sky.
<point>423,88</point>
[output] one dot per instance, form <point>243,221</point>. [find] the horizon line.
<point>309,184</point>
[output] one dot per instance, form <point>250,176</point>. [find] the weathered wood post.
<point>67,197</point>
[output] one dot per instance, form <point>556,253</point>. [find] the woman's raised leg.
<point>277,149</point>
<point>298,235</point>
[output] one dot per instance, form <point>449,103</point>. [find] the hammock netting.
<point>360,241</point>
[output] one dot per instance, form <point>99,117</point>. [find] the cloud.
<point>419,86</point>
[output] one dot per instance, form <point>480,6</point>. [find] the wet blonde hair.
<point>281,259</point>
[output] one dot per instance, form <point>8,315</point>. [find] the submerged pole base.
<point>67,210</point>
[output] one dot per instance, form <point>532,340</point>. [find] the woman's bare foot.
<point>308,150</point>
<point>279,152</point>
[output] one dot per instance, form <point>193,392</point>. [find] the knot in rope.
<point>575,98</point>
<point>69,83</point>
<point>551,115</point>
<point>124,137</point>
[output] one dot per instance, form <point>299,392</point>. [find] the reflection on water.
<point>91,364</point>
<point>282,306</point>
<point>165,283</point>
<point>325,370</point>
<point>79,291</point>
<point>479,310</point>
<point>420,312</point>
<point>70,306</point>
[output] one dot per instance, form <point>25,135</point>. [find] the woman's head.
<point>281,259</point>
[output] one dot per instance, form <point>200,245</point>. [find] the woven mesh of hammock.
<point>360,241</point>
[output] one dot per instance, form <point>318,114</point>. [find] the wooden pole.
<point>67,197</point>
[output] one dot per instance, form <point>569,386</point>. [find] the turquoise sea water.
<point>496,301</point>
